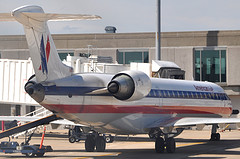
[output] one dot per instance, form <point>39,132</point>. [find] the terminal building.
<point>204,55</point>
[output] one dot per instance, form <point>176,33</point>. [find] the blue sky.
<point>133,15</point>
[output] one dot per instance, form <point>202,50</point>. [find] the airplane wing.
<point>204,121</point>
<point>191,121</point>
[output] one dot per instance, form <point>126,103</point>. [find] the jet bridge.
<point>167,69</point>
<point>29,125</point>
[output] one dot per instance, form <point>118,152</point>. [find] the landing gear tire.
<point>90,143</point>
<point>170,145</point>
<point>30,154</point>
<point>72,139</point>
<point>109,139</point>
<point>215,137</point>
<point>39,154</point>
<point>159,145</point>
<point>218,137</point>
<point>100,144</point>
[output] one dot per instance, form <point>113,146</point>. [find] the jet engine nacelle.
<point>130,85</point>
<point>35,90</point>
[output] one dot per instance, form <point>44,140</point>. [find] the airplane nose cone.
<point>113,87</point>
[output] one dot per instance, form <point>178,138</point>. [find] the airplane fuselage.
<point>168,100</point>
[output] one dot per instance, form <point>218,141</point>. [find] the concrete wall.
<point>236,105</point>
<point>176,46</point>
<point>5,109</point>
<point>235,102</point>
<point>17,55</point>
<point>120,40</point>
<point>131,40</point>
<point>13,42</point>
<point>233,63</point>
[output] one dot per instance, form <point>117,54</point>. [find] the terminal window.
<point>128,56</point>
<point>210,65</point>
<point>63,55</point>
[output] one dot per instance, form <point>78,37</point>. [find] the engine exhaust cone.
<point>113,87</point>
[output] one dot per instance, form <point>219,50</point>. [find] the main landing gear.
<point>215,136</point>
<point>95,140</point>
<point>162,141</point>
<point>168,143</point>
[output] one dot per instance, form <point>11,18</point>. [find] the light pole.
<point>158,33</point>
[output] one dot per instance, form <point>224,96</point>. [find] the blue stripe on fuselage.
<point>55,90</point>
<point>154,93</point>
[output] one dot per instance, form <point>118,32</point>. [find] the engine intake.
<point>130,85</point>
<point>35,90</point>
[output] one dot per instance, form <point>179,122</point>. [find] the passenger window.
<point>205,95</point>
<point>151,93</point>
<point>168,94</point>
<point>208,95</point>
<point>171,94</point>
<point>164,94</point>
<point>175,94</point>
<point>194,95</point>
<point>218,96</point>
<point>191,96</point>
<point>160,94</point>
<point>180,94</point>
<point>212,95</point>
<point>154,93</point>
<point>157,93</point>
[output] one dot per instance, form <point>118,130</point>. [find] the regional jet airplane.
<point>129,102</point>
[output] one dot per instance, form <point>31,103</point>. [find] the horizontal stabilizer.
<point>50,16</point>
<point>61,17</point>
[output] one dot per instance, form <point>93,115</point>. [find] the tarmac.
<point>191,144</point>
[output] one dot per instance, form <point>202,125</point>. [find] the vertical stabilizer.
<point>46,62</point>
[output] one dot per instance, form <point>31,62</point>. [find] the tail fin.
<point>46,62</point>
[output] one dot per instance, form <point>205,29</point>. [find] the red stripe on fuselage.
<point>143,109</point>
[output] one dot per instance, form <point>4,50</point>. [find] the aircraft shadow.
<point>203,149</point>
